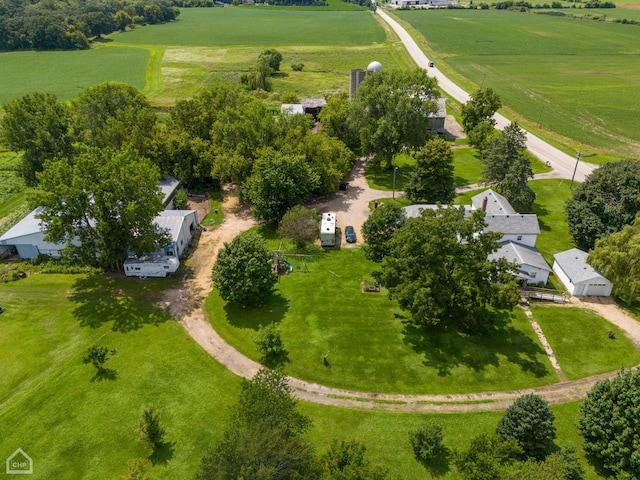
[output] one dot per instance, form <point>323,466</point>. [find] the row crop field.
<point>262,26</point>
<point>580,79</point>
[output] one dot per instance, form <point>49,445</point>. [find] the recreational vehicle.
<point>328,230</point>
<point>150,266</point>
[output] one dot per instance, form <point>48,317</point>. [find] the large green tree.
<point>379,228</point>
<point>39,125</point>
<point>604,203</point>
<point>618,257</point>
<point>432,179</point>
<point>437,269</point>
<point>278,182</point>
<point>486,458</point>
<point>509,168</point>
<point>610,425</point>
<point>300,225</point>
<point>114,115</point>
<point>390,111</point>
<point>242,273</point>
<point>528,421</point>
<point>477,115</point>
<point>264,438</point>
<point>334,117</point>
<point>101,205</point>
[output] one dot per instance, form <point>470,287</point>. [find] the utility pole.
<point>394,182</point>
<point>575,169</point>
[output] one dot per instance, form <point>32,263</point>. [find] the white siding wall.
<point>529,240</point>
<point>540,275</point>
<point>564,278</point>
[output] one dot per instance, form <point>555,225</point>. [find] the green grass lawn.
<point>547,69</point>
<point>369,346</point>
<point>551,197</point>
<point>67,73</point>
<point>255,26</point>
<point>580,343</point>
<point>54,409</point>
<point>216,214</point>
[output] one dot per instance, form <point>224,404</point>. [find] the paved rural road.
<point>562,163</point>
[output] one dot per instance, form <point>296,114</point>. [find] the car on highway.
<point>350,234</point>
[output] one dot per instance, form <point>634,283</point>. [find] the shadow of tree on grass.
<point>163,453</point>
<point>273,311</point>
<point>446,349</point>
<point>107,374</point>
<point>127,303</point>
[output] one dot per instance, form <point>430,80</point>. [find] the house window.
<point>181,242</point>
<point>166,267</point>
<point>519,237</point>
<point>532,274</point>
<point>137,268</point>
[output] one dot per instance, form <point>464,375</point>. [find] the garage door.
<point>598,289</point>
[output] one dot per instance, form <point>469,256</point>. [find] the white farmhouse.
<point>580,278</point>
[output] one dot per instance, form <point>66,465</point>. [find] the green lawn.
<point>551,197</point>
<point>369,345</point>
<point>236,26</point>
<point>580,343</point>
<point>53,410</point>
<point>67,73</point>
<point>548,69</point>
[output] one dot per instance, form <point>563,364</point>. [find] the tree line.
<point>48,25</point>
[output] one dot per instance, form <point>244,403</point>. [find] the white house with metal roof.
<point>179,225</point>
<point>580,278</point>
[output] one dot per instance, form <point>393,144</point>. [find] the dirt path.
<point>185,303</point>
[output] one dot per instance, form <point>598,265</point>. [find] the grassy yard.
<point>369,344</point>
<point>255,26</point>
<point>579,340</point>
<point>547,69</point>
<point>53,407</point>
<point>67,73</point>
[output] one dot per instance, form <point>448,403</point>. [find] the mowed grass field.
<point>74,427</point>
<point>578,78</point>
<point>262,26</point>
<point>369,344</point>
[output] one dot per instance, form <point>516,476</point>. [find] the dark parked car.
<point>350,234</point>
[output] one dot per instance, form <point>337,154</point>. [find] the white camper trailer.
<point>328,230</point>
<point>150,266</point>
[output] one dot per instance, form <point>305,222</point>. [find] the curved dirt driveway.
<point>185,303</point>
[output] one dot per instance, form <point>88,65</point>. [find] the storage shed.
<point>580,278</point>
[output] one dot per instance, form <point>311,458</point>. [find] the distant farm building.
<point>580,278</point>
<point>437,119</point>
<point>420,3</point>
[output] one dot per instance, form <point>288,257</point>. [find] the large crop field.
<point>578,78</point>
<point>66,74</point>
<point>257,26</point>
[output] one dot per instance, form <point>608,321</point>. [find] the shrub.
<point>426,442</point>
<point>297,67</point>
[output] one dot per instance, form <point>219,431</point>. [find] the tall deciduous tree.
<point>509,168</point>
<point>278,182</point>
<point>39,125</point>
<point>604,203</point>
<point>102,205</point>
<point>528,421</point>
<point>438,270</point>
<point>432,179</point>
<point>264,439</point>
<point>609,423</point>
<point>334,117</point>
<point>273,57</point>
<point>379,228</point>
<point>300,225</point>
<point>618,257</point>
<point>477,115</point>
<point>242,273</point>
<point>114,115</point>
<point>391,112</point>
